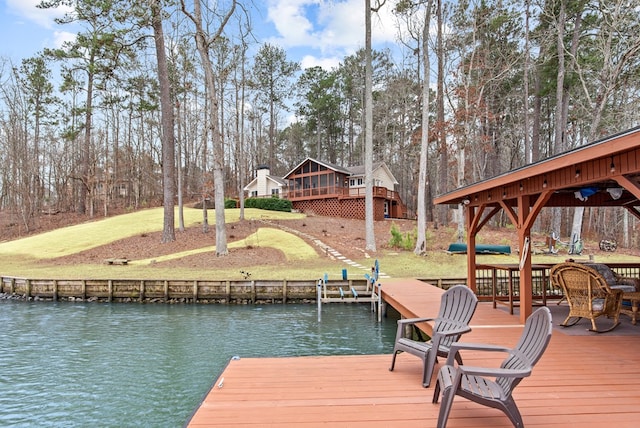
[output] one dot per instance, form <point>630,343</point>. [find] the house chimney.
<point>262,171</point>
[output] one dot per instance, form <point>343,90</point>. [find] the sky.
<point>312,32</point>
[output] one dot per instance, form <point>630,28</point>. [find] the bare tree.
<point>370,237</point>
<point>203,43</point>
<point>421,241</point>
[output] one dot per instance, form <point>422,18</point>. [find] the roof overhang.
<point>610,163</point>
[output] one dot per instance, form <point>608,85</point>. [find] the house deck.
<point>583,380</point>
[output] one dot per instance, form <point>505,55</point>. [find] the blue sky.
<point>320,32</point>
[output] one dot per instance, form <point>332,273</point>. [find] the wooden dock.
<point>590,380</point>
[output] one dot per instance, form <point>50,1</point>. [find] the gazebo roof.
<point>609,163</point>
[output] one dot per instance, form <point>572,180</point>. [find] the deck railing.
<point>339,192</point>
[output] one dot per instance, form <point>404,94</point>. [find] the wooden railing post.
<point>284,291</point>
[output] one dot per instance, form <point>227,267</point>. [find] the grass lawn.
<point>34,256</point>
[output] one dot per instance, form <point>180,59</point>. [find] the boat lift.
<point>370,294</point>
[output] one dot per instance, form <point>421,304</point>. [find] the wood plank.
<point>586,381</point>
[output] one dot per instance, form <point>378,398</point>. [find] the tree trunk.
<point>203,46</point>
<point>443,167</point>
<point>370,238</point>
<point>421,238</point>
<point>168,144</point>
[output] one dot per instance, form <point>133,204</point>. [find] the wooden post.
<point>83,290</point>
<point>141,291</point>
<point>284,291</point>
<point>55,290</point>
<point>195,291</point>
<point>166,291</point>
<point>28,288</point>
<point>110,290</point>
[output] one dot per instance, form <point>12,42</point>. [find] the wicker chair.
<point>588,294</point>
<point>457,306</point>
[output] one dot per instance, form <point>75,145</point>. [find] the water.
<point>127,365</point>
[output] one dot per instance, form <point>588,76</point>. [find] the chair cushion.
<point>623,287</point>
<point>605,271</point>
<point>597,305</point>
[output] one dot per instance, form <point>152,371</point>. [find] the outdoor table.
<point>510,268</point>
<point>634,297</point>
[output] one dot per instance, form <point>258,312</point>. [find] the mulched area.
<point>347,236</point>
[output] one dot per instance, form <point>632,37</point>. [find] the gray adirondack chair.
<point>493,387</point>
<point>457,306</point>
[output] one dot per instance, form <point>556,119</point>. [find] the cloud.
<point>43,17</point>
<point>59,37</point>
<point>330,28</point>
<point>327,63</point>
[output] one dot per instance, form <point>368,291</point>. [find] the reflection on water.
<point>119,365</point>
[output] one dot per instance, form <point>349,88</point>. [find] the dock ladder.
<point>344,292</point>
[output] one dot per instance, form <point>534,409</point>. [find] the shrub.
<point>271,204</point>
<point>230,203</point>
<point>406,241</point>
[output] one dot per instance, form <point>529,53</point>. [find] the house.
<point>330,190</point>
<point>265,184</point>
<point>335,191</point>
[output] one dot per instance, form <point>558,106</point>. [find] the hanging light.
<point>615,192</point>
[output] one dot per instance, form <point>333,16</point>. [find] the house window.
<point>275,192</point>
<point>254,193</point>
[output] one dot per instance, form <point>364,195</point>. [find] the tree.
<point>98,52</point>
<point>35,77</point>
<point>203,44</point>
<point>270,79</point>
<point>370,237</point>
<point>319,106</point>
<point>168,140</point>
<point>411,9</point>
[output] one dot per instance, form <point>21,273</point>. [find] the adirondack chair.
<point>493,387</point>
<point>588,294</point>
<point>457,306</point>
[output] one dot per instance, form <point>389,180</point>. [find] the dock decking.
<point>590,380</point>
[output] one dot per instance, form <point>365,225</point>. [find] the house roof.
<point>359,170</point>
<point>278,180</point>
<point>352,170</point>
<point>328,165</point>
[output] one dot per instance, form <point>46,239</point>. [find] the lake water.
<point>127,365</point>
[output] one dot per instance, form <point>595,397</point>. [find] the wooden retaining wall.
<point>200,291</point>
